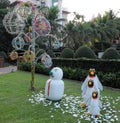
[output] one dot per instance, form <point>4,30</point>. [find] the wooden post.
<point>1,61</point>
<point>33,76</point>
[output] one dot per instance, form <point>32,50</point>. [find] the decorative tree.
<point>16,21</point>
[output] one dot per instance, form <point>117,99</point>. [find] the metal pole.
<point>33,49</point>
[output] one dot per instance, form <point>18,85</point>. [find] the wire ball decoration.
<point>28,56</point>
<point>12,23</point>
<point>18,43</point>
<point>46,60</point>
<point>41,25</point>
<point>13,55</point>
<point>28,37</point>
<point>24,9</point>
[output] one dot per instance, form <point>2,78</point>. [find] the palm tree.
<point>79,32</point>
<point>104,28</point>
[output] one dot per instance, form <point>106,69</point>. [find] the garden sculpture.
<point>91,83</point>
<point>94,105</point>
<point>54,88</point>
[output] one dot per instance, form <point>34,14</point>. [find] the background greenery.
<point>77,69</point>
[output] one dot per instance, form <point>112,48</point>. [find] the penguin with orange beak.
<point>94,104</point>
<point>89,85</point>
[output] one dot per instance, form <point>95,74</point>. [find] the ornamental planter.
<point>1,61</point>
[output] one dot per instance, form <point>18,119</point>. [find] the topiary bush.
<point>67,53</point>
<point>86,52</point>
<point>51,53</point>
<point>3,54</point>
<point>111,53</point>
<point>39,52</point>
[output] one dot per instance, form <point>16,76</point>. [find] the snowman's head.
<point>56,73</point>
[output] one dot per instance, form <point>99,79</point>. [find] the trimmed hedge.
<point>111,53</point>
<point>3,54</point>
<point>84,63</point>
<point>51,53</point>
<point>67,53</point>
<point>108,78</point>
<point>84,51</point>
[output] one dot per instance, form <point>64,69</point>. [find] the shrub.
<point>67,53</point>
<point>111,53</point>
<point>108,79</point>
<point>3,54</point>
<point>86,52</point>
<point>39,52</point>
<point>51,53</point>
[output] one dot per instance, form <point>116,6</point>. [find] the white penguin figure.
<point>94,105</point>
<point>89,85</point>
<point>54,88</point>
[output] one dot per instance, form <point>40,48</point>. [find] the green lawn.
<point>19,105</point>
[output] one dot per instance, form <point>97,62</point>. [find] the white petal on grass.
<point>71,104</point>
<point>75,115</point>
<point>51,116</point>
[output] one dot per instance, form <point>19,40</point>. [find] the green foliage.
<point>3,54</point>
<point>67,53</point>
<point>101,46</point>
<point>53,13</point>
<point>51,53</point>
<point>5,38</point>
<point>111,53</point>
<point>86,52</point>
<point>4,3</point>
<point>39,52</point>
<point>84,63</point>
<point>109,79</point>
<point>25,65</point>
<point>102,29</point>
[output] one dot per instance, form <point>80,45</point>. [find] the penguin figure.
<point>94,104</point>
<point>54,88</point>
<point>89,85</point>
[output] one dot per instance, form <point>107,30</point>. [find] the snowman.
<point>94,105</point>
<point>54,88</point>
<point>89,85</point>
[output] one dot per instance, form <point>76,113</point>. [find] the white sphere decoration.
<point>46,60</point>
<point>54,88</point>
<point>18,43</point>
<point>12,23</point>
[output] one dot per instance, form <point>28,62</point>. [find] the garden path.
<point>8,69</point>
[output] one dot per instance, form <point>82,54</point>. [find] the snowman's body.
<point>54,88</point>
